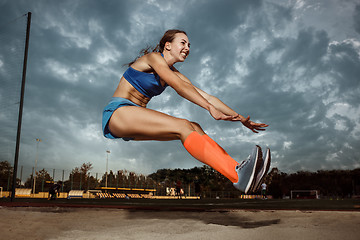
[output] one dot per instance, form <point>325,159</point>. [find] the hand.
<point>255,127</point>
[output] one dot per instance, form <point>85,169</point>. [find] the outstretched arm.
<point>225,109</point>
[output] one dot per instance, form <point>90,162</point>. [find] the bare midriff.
<point>126,90</point>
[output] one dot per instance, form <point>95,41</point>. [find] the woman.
<point>127,117</point>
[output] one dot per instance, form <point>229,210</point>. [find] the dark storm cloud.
<point>357,19</point>
<point>345,64</point>
<point>279,63</point>
<point>217,20</point>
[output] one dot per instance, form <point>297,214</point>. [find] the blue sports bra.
<point>147,84</point>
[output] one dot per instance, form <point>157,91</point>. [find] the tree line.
<point>80,178</point>
<point>329,183</point>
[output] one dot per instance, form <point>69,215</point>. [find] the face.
<point>179,47</point>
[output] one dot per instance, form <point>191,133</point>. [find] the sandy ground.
<point>84,223</point>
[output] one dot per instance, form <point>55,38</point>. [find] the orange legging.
<point>207,151</point>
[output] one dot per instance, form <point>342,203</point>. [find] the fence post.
<point>8,185</point>
<point>21,171</point>
<point>71,182</point>
<point>88,181</point>
<point>117,180</point>
<point>32,179</point>
<point>62,180</point>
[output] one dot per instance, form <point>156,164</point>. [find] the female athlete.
<point>127,117</point>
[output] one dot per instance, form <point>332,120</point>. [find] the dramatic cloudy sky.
<point>292,64</point>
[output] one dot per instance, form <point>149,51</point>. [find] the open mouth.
<point>183,54</point>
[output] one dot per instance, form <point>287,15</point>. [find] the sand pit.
<point>84,223</point>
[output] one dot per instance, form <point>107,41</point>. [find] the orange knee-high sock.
<point>207,151</point>
<point>212,141</point>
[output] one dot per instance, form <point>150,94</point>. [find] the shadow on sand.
<point>221,217</point>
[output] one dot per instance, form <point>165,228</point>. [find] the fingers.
<point>254,127</point>
<point>257,129</point>
<point>260,127</point>
<point>225,117</point>
<point>235,118</point>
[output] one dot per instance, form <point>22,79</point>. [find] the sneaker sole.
<point>259,167</point>
<point>267,162</point>
<point>256,169</point>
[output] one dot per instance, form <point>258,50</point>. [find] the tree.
<point>42,181</point>
<point>6,173</point>
<point>275,180</point>
<point>80,178</point>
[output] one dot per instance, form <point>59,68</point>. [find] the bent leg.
<point>146,124</point>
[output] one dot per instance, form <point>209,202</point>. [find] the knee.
<point>185,125</point>
<point>188,126</point>
<point>183,129</point>
<point>197,127</point>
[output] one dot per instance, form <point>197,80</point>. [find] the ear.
<point>168,46</point>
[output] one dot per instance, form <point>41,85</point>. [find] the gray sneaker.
<point>246,171</point>
<point>265,165</point>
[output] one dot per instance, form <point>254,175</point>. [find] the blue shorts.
<point>115,103</point>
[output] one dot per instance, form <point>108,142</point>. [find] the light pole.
<point>38,140</point>
<point>107,158</point>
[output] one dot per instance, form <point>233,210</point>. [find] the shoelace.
<point>243,163</point>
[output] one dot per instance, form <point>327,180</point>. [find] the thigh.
<point>146,124</point>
